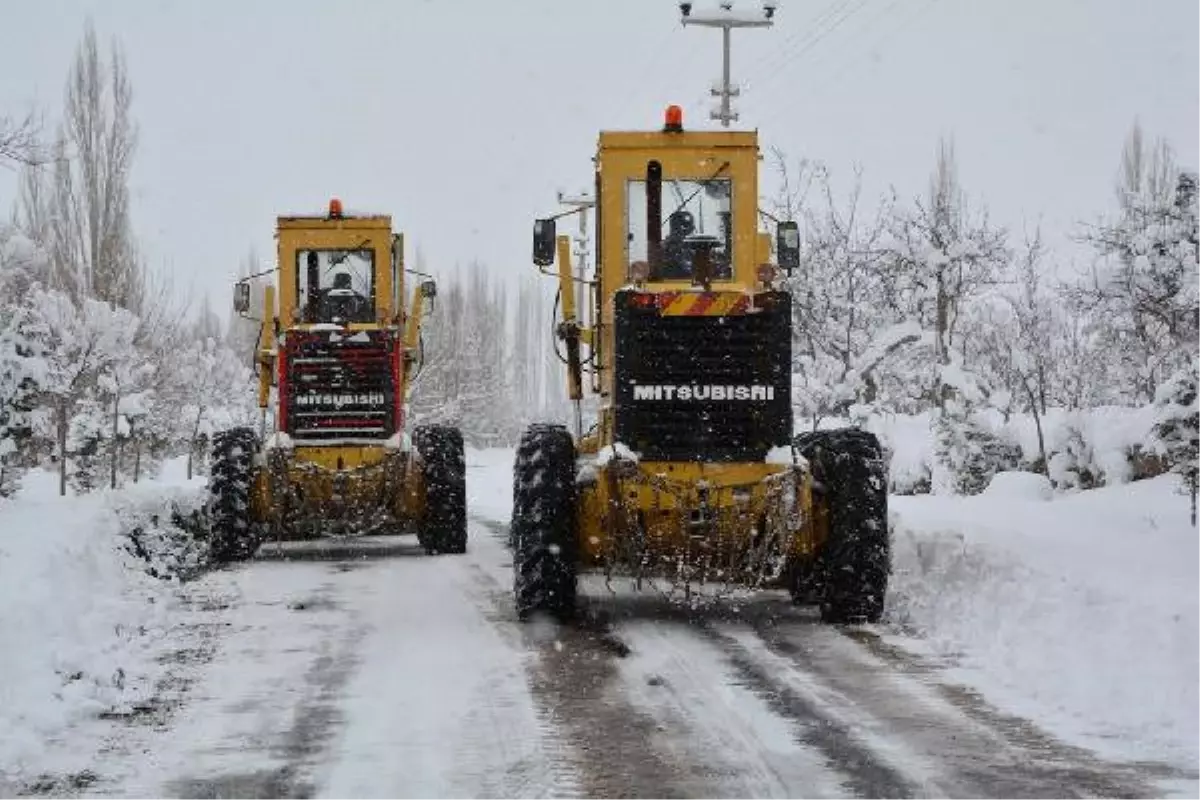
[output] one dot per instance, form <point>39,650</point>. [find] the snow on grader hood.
<point>686,350</point>
<point>338,351</point>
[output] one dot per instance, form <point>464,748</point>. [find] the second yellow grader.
<point>339,347</point>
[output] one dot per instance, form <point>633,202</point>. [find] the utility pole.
<point>727,20</point>
<point>582,202</point>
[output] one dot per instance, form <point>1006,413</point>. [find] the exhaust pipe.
<point>654,253</point>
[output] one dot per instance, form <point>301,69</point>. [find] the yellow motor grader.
<point>339,349</point>
<point>691,472</point>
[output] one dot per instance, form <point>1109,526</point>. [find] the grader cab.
<point>691,473</point>
<point>339,350</point>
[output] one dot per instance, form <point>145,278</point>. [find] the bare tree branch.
<point>21,142</point>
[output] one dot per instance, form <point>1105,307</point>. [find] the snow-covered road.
<point>368,669</point>
<point>375,670</point>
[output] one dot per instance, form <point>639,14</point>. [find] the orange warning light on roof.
<point>335,208</point>
<point>674,119</point>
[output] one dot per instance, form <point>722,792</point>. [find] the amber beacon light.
<point>335,208</point>
<point>674,119</point>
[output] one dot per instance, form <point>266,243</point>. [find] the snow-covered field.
<point>1074,613</point>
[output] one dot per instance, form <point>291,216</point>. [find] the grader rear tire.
<point>233,536</point>
<point>444,526</point>
<point>543,523</point>
<point>856,559</point>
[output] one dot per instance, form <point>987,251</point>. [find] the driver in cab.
<point>340,303</point>
<point>677,255</point>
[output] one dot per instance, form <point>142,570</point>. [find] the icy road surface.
<point>379,671</point>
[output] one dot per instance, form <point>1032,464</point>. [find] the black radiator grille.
<point>703,388</point>
<point>340,385</point>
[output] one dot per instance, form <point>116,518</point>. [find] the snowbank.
<point>80,610</point>
<point>1093,446</point>
<point>908,441</point>
<point>1079,612</point>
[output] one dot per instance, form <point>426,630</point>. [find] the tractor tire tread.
<point>444,526</point>
<point>542,528</point>
<point>233,536</point>
<point>855,562</point>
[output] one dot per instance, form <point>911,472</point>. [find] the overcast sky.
<point>463,119</point>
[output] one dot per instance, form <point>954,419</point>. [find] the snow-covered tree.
<point>125,381</point>
<point>1142,291</point>
<point>217,391</point>
<point>435,396</point>
<point>470,368</point>
<point>942,254</point>
<point>968,453</point>
<point>1178,426</point>
<point>1010,340</point>
<point>845,333</point>
<point>21,375</point>
<point>80,342</point>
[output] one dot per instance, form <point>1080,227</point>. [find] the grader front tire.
<point>543,523</point>
<point>444,526</point>
<point>856,559</point>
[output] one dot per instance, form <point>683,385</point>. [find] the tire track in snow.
<point>301,747</point>
<point>707,717</point>
<point>839,756</point>
<point>548,772</point>
<point>491,572</point>
<point>604,743</point>
<point>892,729</point>
<point>675,718</point>
<point>906,722</point>
<point>878,766</point>
<point>442,705</point>
<point>609,740</point>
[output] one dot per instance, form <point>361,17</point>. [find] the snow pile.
<point>1020,486</point>
<point>80,610</point>
<point>909,446</point>
<point>1107,445</point>
<point>1097,444</point>
<point>164,528</point>
<point>1083,607</point>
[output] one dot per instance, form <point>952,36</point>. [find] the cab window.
<point>696,218</point>
<point>335,286</point>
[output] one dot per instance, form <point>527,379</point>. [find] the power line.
<point>778,70</point>
<point>851,66</point>
<point>855,60</point>
<point>798,38</point>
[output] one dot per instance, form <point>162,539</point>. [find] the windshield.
<point>336,285</point>
<point>696,217</point>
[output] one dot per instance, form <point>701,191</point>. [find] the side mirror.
<point>241,297</point>
<point>543,242</point>
<point>787,245</point>
<point>428,290</point>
